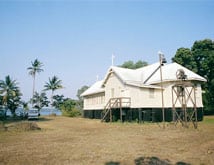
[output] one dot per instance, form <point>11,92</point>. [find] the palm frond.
<point>53,84</point>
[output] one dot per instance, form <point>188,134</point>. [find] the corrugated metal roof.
<point>95,88</point>
<point>169,74</point>
<point>146,76</point>
<point>151,74</point>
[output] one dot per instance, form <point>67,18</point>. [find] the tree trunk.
<point>33,85</point>
<point>52,102</point>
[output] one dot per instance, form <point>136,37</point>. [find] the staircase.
<point>113,103</point>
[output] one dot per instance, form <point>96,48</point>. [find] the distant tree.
<point>203,53</point>
<point>184,57</point>
<point>201,60</point>
<point>69,109</point>
<point>25,105</point>
<point>58,100</point>
<point>79,102</point>
<point>53,84</point>
<point>36,67</point>
<point>10,94</point>
<point>14,102</point>
<point>81,90</point>
<point>128,64</point>
<point>140,64</point>
<point>39,100</point>
<point>25,108</point>
<point>131,65</point>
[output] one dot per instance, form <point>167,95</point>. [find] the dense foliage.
<point>58,100</point>
<point>200,58</point>
<point>131,65</point>
<point>10,95</point>
<point>53,84</point>
<point>69,109</point>
<point>67,106</point>
<point>39,100</point>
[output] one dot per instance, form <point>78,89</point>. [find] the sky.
<point>75,39</point>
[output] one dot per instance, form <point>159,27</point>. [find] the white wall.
<point>141,97</point>
<point>114,88</point>
<point>170,97</point>
<point>145,97</point>
<point>95,101</point>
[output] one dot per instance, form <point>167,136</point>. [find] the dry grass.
<point>63,140</point>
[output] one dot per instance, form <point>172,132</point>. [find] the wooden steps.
<point>115,103</point>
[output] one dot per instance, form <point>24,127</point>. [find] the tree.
<point>203,53</point>
<point>36,67</point>
<point>58,101</point>
<point>184,57</point>
<point>128,64</point>
<point>25,105</point>
<point>25,108</point>
<point>39,100</point>
<point>10,94</point>
<point>53,84</point>
<point>131,65</point>
<point>69,109</point>
<point>80,91</point>
<point>140,64</point>
<point>80,99</point>
<point>201,60</point>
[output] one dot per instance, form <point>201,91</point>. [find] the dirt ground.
<point>75,141</point>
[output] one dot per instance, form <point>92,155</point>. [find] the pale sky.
<point>75,39</point>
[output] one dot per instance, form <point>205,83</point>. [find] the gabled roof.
<point>150,75</point>
<point>132,76</point>
<point>95,88</point>
<point>169,74</point>
<point>147,76</point>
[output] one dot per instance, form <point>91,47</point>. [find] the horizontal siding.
<point>96,101</point>
<point>140,97</point>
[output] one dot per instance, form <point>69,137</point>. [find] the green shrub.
<point>69,109</point>
<point>71,113</point>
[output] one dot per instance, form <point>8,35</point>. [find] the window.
<point>151,92</point>
<point>112,92</point>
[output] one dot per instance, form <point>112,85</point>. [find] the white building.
<point>138,92</point>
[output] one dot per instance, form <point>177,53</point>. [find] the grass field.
<point>63,140</point>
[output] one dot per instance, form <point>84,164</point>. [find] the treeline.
<point>10,94</point>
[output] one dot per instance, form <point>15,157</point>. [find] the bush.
<point>71,113</point>
<point>2,114</point>
<point>69,109</point>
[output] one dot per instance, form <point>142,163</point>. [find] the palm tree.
<point>10,93</point>
<point>35,68</point>
<point>39,100</point>
<point>53,84</point>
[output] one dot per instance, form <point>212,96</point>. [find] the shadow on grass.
<point>43,118</point>
<point>149,161</point>
<point>10,120</point>
<point>112,163</point>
